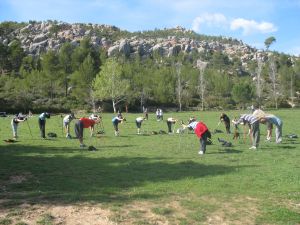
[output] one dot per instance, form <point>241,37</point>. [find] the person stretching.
<point>116,120</point>
<point>170,122</point>
<point>269,120</point>
<point>15,122</point>
<point>42,123</point>
<point>202,132</point>
<point>253,121</point>
<point>84,123</point>
<point>224,118</point>
<point>66,123</point>
<point>138,122</point>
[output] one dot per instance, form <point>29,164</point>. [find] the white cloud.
<point>218,20</point>
<point>210,20</point>
<point>251,26</point>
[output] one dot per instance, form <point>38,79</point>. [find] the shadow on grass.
<point>54,178</point>
<point>285,147</point>
<point>225,151</point>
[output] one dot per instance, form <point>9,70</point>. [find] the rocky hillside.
<point>38,37</point>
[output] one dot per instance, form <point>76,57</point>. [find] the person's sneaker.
<point>200,152</point>
<point>253,147</point>
<point>82,145</point>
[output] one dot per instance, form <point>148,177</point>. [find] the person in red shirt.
<point>202,133</point>
<point>85,123</point>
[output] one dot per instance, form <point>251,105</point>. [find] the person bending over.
<point>271,120</point>
<point>84,123</point>
<point>116,120</point>
<point>170,122</point>
<point>253,121</point>
<point>15,122</point>
<point>138,122</point>
<point>225,119</point>
<point>202,132</point>
<point>66,123</point>
<point>42,123</point>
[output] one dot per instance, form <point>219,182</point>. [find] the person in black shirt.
<point>224,118</point>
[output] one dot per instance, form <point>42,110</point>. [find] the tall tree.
<point>259,81</point>
<point>273,78</point>
<point>65,59</point>
<point>179,84</point>
<point>51,67</point>
<point>201,66</point>
<point>4,58</point>
<point>82,81</point>
<point>242,93</point>
<point>16,54</point>
<point>109,84</point>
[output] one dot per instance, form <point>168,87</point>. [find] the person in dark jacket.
<point>225,119</point>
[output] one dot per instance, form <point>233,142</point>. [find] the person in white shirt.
<point>170,122</point>
<point>15,122</point>
<point>66,123</point>
<point>138,122</point>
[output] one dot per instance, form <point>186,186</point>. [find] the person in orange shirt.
<point>85,123</point>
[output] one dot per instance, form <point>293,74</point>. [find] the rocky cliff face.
<point>39,37</point>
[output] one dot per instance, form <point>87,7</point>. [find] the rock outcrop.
<point>39,37</point>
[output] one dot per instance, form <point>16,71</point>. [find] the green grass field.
<point>149,179</point>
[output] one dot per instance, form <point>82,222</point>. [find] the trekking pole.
<point>102,126</point>
<point>62,125</point>
<point>29,128</point>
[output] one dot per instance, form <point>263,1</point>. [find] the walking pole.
<point>29,128</point>
<point>62,125</point>
<point>102,126</point>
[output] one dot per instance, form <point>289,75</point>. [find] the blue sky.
<point>251,21</point>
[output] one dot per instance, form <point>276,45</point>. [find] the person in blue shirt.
<point>269,120</point>
<point>42,123</point>
<point>116,120</point>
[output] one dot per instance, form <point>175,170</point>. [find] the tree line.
<point>83,77</point>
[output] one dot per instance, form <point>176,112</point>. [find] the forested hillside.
<point>61,67</point>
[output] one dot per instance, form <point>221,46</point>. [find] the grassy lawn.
<point>149,179</point>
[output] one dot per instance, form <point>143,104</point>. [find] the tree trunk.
<point>114,106</point>
<point>66,87</point>
<point>142,103</point>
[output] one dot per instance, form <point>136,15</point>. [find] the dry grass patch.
<point>58,214</point>
<point>236,211</point>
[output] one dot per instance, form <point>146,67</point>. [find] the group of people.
<point>253,120</point>
<point>200,129</point>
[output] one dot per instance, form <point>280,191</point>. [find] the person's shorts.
<point>138,124</point>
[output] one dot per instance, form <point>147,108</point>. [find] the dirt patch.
<point>17,179</point>
<point>237,211</point>
<point>62,214</point>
